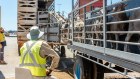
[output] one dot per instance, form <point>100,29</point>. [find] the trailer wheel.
<point>63,51</point>
<point>78,68</point>
<point>85,69</point>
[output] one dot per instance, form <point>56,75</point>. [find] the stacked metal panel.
<point>27,14</point>
<point>44,18</point>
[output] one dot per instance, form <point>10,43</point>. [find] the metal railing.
<point>53,26</point>
<point>52,7</point>
<point>94,35</point>
<point>104,16</point>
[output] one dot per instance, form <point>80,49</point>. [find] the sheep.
<point>133,26</point>
<point>118,27</point>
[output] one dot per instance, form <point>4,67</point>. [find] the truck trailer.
<point>40,13</point>
<point>105,39</point>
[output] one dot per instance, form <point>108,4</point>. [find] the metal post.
<point>37,13</point>
<point>72,4</point>
<point>84,28</point>
<point>91,7</point>
<point>59,33</point>
<point>104,22</point>
<point>72,19</point>
<point>54,6</point>
<point>37,18</point>
<point>0,16</point>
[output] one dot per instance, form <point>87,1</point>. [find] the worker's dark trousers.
<point>2,53</point>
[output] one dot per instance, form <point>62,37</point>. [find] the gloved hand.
<point>48,72</point>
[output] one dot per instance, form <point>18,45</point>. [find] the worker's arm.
<point>46,50</point>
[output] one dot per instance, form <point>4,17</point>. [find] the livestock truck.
<point>42,14</point>
<point>105,39</point>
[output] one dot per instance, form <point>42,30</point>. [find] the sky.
<point>63,5</point>
<point>9,12</point>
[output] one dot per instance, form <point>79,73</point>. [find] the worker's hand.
<point>48,72</point>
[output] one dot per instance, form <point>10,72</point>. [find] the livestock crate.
<point>51,28</point>
<point>27,12</point>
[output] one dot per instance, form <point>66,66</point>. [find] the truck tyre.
<point>63,51</point>
<point>85,69</point>
<point>78,68</point>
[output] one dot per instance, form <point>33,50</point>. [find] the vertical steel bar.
<point>98,60</point>
<point>37,18</point>
<point>68,29</point>
<point>47,28</point>
<point>54,6</point>
<point>59,36</point>
<point>109,65</point>
<point>104,23</point>
<point>0,16</point>
<point>125,72</point>
<point>72,20</point>
<point>44,32</point>
<point>84,28</point>
<point>91,9</point>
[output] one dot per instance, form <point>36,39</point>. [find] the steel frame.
<point>127,60</point>
<point>126,64</point>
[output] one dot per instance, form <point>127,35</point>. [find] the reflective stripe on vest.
<point>31,59</point>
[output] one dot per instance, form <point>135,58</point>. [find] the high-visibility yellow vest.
<point>2,37</point>
<point>31,59</point>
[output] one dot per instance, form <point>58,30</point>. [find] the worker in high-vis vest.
<point>34,53</point>
<point>2,45</point>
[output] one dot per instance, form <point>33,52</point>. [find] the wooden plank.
<point>119,76</point>
<point>27,9</point>
<point>23,22</point>
<point>27,2</point>
<point>27,14</point>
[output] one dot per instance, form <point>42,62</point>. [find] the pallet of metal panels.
<point>27,17</point>
<point>27,5</point>
<point>43,17</point>
<point>27,13</point>
<point>51,32</point>
<point>26,27</point>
